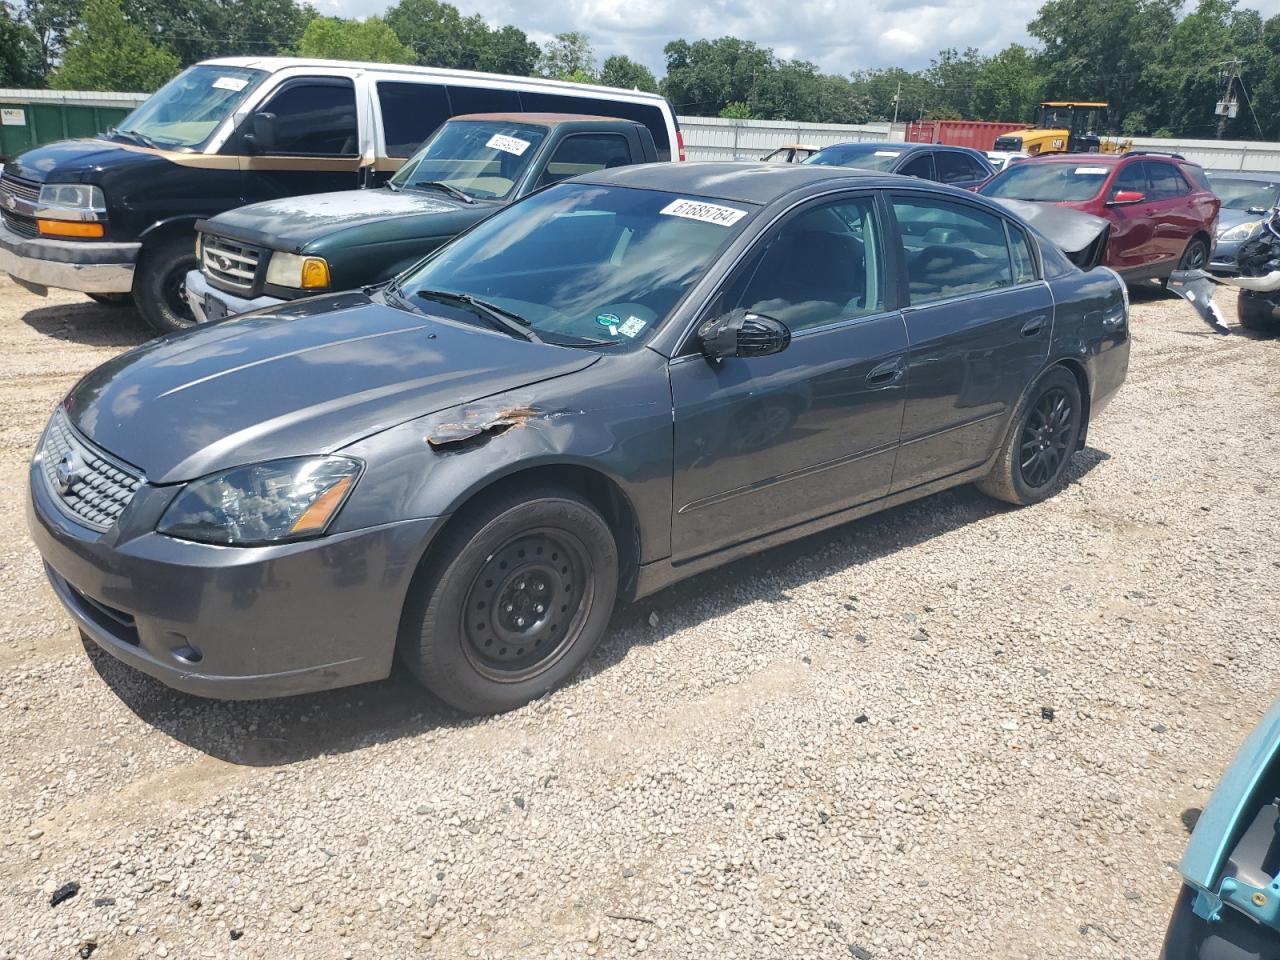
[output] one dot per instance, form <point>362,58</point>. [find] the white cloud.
<point>839,35</point>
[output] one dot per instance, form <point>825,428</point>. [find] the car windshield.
<point>868,156</point>
<point>481,158</point>
<point>581,264</point>
<point>1246,194</point>
<point>1052,182</point>
<point>186,110</point>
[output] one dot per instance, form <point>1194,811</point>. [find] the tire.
<point>112,299</point>
<point>510,556</point>
<point>1257,313</point>
<point>158,286</point>
<point>1048,425</point>
<point>1196,256</point>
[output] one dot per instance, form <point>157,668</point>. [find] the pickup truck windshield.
<point>185,112</point>
<point>481,158</point>
<point>1054,181</point>
<point>583,264</point>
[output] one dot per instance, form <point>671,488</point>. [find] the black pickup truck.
<point>267,253</point>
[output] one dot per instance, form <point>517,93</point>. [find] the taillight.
<point>680,143</point>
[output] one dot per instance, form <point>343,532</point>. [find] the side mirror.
<point>262,132</point>
<point>1122,198</point>
<point>743,334</point>
<point>1256,211</point>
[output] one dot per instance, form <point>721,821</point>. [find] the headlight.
<point>1241,231</point>
<point>73,196</point>
<point>301,273</point>
<point>273,502</point>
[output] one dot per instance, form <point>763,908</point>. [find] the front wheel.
<point>159,286</point>
<point>1196,256</point>
<point>1032,464</point>
<point>1257,313</point>
<point>512,602</point>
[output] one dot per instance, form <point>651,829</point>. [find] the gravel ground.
<point>951,730</point>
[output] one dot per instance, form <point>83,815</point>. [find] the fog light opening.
<point>187,654</point>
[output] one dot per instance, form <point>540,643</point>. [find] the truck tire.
<point>1257,313</point>
<point>159,282</point>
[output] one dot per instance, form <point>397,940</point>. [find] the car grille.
<point>22,226</point>
<point>99,488</point>
<point>229,264</point>
<point>17,187</point>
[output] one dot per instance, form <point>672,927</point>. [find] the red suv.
<point>1163,214</point>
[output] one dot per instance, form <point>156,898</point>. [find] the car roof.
<point>543,119</point>
<point>743,181</point>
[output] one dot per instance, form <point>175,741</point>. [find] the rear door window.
<point>411,112</point>
<point>585,153</point>
<point>316,118</point>
<point>950,249</point>
<point>954,167</point>
<point>1024,265</point>
<point>1166,182</point>
<point>482,100</point>
<point>920,166</point>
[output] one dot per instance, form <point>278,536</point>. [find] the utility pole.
<point>1228,107</point>
<point>896,97</point>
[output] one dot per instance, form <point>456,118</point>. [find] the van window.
<point>482,100</point>
<point>585,153</point>
<point>649,115</point>
<point>411,112</point>
<point>316,118</point>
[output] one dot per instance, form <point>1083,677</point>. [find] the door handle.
<point>886,373</point>
<point>1034,326</point>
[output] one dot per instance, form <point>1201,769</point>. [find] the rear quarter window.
<point>411,112</point>
<point>1196,176</point>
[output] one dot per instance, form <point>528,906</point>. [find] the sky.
<point>838,35</point>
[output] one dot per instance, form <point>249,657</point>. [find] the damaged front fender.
<point>481,422</point>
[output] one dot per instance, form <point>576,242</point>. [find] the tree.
<point>51,21</point>
<point>370,40</point>
<point>568,56</point>
<point>737,111</point>
<point>705,76</point>
<point>1008,86</point>
<point>196,30</point>
<point>107,52</point>
<point>621,71</point>
<point>440,37</point>
<point>21,62</point>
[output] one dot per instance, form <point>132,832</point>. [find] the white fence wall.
<point>715,138</point>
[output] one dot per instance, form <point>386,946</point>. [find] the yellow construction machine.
<point>1064,126</point>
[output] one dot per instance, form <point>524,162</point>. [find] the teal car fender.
<point>1230,907</point>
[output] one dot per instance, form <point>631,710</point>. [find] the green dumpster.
<point>29,118</point>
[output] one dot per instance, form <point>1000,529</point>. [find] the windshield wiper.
<point>141,138</point>
<point>450,190</point>
<point>504,320</point>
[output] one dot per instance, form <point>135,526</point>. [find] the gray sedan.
<point>1247,196</point>
<point>615,383</point>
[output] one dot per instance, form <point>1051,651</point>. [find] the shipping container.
<point>976,134</point>
<point>29,118</point>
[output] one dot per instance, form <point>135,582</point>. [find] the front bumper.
<point>1233,937</point>
<point>1223,261</point>
<point>87,266</point>
<point>198,288</point>
<point>226,622</point>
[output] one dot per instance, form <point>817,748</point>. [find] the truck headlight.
<point>298,272</point>
<point>273,502</point>
<point>78,198</point>
<point>1241,231</point>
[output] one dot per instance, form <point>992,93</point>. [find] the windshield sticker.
<point>888,153</point>
<point>610,321</point>
<point>512,145</point>
<point>1081,171</point>
<point>703,212</point>
<point>632,327</point>
<point>235,84</point>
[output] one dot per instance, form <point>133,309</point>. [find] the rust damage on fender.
<point>481,423</point>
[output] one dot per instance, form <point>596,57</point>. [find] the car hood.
<point>78,161</point>
<point>293,222</point>
<point>307,378</point>
<point>1229,217</point>
<point>1081,236</point>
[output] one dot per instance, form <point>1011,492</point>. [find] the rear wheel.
<point>1257,313</point>
<point>1196,256</point>
<point>513,601</point>
<point>159,286</point>
<point>1032,464</point>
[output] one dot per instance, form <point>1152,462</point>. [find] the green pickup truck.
<point>268,253</point>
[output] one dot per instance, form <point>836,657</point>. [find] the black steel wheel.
<point>527,604</point>
<point>1032,464</point>
<point>511,600</point>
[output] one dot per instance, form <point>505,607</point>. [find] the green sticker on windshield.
<point>607,319</point>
